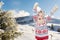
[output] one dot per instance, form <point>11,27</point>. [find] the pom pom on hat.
<point>36,7</point>
<point>36,4</point>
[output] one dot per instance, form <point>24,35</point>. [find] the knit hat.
<point>36,7</point>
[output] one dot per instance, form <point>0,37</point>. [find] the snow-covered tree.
<point>8,26</point>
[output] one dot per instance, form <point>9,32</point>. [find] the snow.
<point>29,33</point>
<point>55,35</point>
<point>49,24</point>
<point>21,13</point>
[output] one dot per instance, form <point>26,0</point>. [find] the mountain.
<point>29,20</point>
<point>24,20</point>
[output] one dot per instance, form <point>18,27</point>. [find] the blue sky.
<point>27,5</point>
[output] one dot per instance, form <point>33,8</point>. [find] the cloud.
<point>22,13</point>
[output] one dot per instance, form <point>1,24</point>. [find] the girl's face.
<point>40,15</point>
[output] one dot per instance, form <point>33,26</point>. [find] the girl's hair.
<point>42,12</point>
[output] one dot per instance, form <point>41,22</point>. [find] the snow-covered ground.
<point>29,33</point>
<point>54,35</point>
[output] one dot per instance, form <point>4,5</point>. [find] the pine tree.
<point>8,25</point>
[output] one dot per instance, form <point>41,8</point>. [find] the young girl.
<point>41,30</point>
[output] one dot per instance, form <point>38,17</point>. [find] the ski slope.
<point>29,33</point>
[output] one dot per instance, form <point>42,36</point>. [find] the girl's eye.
<point>38,14</point>
<point>39,18</point>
